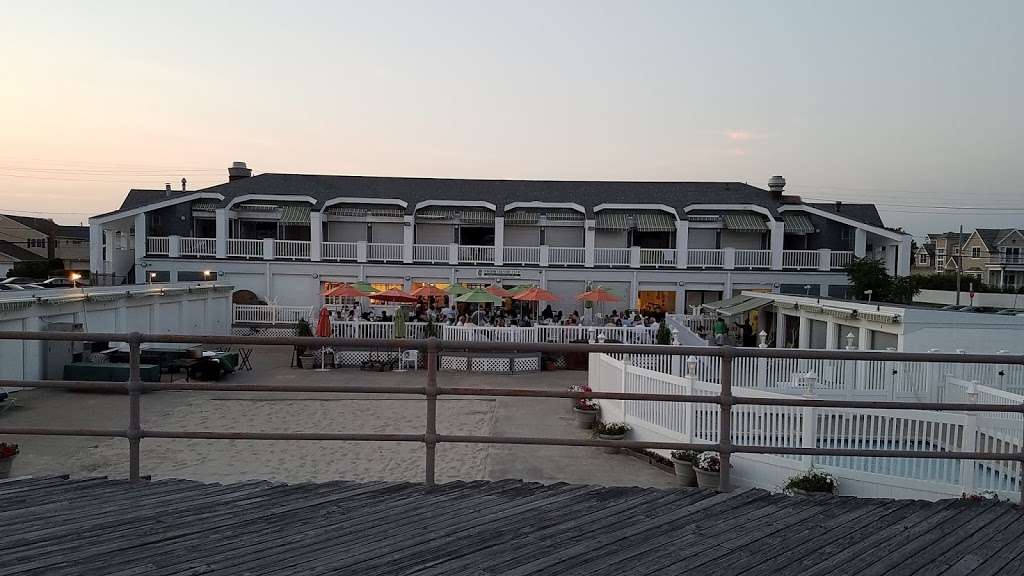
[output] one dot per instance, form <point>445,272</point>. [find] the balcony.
<point>1006,260</point>
<point>450,254</point>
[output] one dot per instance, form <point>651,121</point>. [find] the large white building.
<point>657,244</point>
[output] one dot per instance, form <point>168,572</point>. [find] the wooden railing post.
<point>134,431</point>
<point>430,438</point>
<point>725,421</point>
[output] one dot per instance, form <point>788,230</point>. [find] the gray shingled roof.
<point>19,253</point>
<point>993,236</point>
<point>866,213</point>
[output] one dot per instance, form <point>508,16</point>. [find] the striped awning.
<point>745,222</point>
<point>365,211</point>
<point>295,214</point>
<point>798,224</point>
<point>245,207</point>
<point>204,205</point>
<point>532,216</point>
<point>455,215</point>
<point>641,220</point>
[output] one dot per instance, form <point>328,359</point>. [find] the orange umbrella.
<point>393,295</point>
<point>535,294</point>
<point>499,291</point>
<point>428,290</point>
<point>345,291</point>
<point>598,295</point>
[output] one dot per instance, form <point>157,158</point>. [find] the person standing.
<point>719,329</point>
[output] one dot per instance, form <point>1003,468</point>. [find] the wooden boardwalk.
<point>56,526</point>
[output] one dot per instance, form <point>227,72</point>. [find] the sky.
<point>914,106</point>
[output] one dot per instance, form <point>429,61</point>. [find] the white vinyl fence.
<point>260,314</point>
<point>805,426</point>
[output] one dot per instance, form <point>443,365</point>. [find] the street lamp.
<point>206,274</point>
<point>152,277</point>
<point>868,293</point>
<point>75,277</point>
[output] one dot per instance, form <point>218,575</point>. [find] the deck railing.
<point>245,248</point>
<point>612,256</point>
<point>292,249</point>
<point>158,245</point>
<point>704,258</point>
<point>563,256</point>
<point>521,255</point>
<point>476,254</point>
<point>258,314</point>
<point>198,246</point>
<point>754,258</point>
<point>339,251</point>
<point>433,253</point>
<point>384,252</point>
<point>717,430</point>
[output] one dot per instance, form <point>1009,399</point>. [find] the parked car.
<point>18,280</point>
<point>58,283</point>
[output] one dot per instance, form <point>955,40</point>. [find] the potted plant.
<point>812,482</point>
<point>682,463</point>
<point>7,454</point>
<point>584,410</point>
<point>302,330</point>
<point>663,336</point>
<point>611,431</point>
<point>707,467</point>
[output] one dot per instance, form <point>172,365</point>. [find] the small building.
<point>48,240</point>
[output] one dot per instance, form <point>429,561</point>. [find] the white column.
<point>863,338</point>
<point>408,238</point>
<point>904,257</point>
<point>776,236</point>
<point>682,242</point>
<point>780,329</point>
<point>805,332</point>
<point>634,256</point>
<point>860,243</point>
<point>589,242</point>
<point>727,287</point>
<point>268,249</point>
<point>361,251</point>
<point>222,232</point>
<point>173,246</point>
<point>545,255</point>
<point>316,235</point>
<point>824,259</point>
<point>96,248</point>
<point>681,300</point>
<point>831,342</point>
<point>890,258</point>
<point>728,258</point>
<point>140,244</point>
<point>634,291</point>
<point>453,253</point>
<point>499,240</point>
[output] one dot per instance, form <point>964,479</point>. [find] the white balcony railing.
<point>564,256</point>
<point>704,258</point>
<point>245,248</point>
<point>270,314</point>
<point>841,259</point>
<point>430,252</point>
<point>384,252</point>
<point>476,254</point>
<point>522,254</point>
<point>158,245</point>
<point>657,257</point>
<point>198,246</point>
<point>611,256</point>
<point>338,251</point>
<point>754,258</point>
<point>296,249</point>
<point>799,259</point>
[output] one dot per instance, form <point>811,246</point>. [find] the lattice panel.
<point>527,364</point>
<point>357,357</point>
<point>453,363</point>
<point>272,332</point>
<point>491,364</point>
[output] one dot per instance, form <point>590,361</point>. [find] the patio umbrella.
<point>456,290</point>
<point>598,295</point>
<point>535,294</point>
<point>393,295</point>
<point>478,296</point>
<point>521,288</point>
<point>323,330</point>
<point>345,291</point>
<point>429,290</point>
<point>364,287</point>
<point>499,291</point>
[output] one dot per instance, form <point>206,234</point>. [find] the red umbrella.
<point>535,294</point>
<point>345,291</point>
<point>598,295</point>
<point>428,290</point>
<point>393,296</point>
<point>499,291</point>
<point>323,324</point>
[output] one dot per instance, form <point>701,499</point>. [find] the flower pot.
<point>611,449</point>
<point>306,361</point>
<point>5,467</point>
<point>585,418</point>
<point>684,472</point>
<point>808,493</point>
<point>706,479</point>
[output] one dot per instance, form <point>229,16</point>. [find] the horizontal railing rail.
<point>725,399</point>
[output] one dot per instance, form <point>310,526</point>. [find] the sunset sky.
<point>912,105</point>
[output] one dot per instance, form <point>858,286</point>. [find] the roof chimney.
<point>237,171</point>
<point>777,184</point>
<point>167,186</point>
<point>183,182</point>
<point>839,206</point>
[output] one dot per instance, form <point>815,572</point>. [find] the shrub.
<point>813,481</point>
<point>302,329</point>
<point>708,462</point>
<point>663,336</point>
<point>685,455</point>
<point>611,428</point>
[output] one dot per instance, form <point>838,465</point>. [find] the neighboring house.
<point>11,254</point>
<point>924,258</point>
<point>994,256</point>
<point>47,239</point>
<point>664,245</point>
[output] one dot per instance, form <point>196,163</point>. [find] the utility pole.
<point>959,261</point>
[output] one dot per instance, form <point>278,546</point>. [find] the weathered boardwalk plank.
<point>56,526</point>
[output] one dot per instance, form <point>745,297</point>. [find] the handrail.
<point>135,432</point>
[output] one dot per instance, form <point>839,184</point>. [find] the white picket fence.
<point>378,330</point>
<point>259,314</point>
<point>806,426</point>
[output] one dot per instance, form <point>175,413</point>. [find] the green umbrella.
<point>364,287</point>
<point>456,289</point>
<point>478,296</point>
<point>520,289</point>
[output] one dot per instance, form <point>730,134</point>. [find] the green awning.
<point>798,224</point>
<point>736,305</point>
<point>655,222</point>
<point>641,220</point>
<point>204,205</point>
<point>606,220</point>
<point>365,211</point>
<point>745,222</point>
<point>455,215</point>
<point>295,214</point>
<point>532,216</point>
<point>244,207</point>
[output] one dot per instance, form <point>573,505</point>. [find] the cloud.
<point>739,135</point>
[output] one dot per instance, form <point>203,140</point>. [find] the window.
<point>37,242</point>
<point>956,250</point>
<point>976,252</point>
<point>922,258</point>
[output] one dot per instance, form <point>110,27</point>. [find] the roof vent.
<point>839,206</point>
<point>238,171</point>
<point>183,183</point>
<point>777,184</point>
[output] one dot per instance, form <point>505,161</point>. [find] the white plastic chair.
<point>409,356</point>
